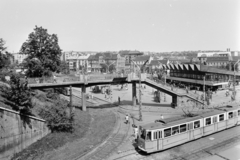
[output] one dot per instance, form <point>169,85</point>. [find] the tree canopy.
<point>18,94</point>
<point>4,56</point>
<point>43,53</point>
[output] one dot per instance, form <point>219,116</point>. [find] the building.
<point>199,75</point>
<point>156,65</point>
<point>106,60</point>
<point>130,55</point>
<point>19,58</point>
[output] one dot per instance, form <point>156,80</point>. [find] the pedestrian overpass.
<point>131,78</point>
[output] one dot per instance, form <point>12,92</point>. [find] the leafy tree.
<point>230,66</point>
<point>58,116</point>
<point>17,94</point>
<point>4,57</point>
<point>43,53</point>
<point>64,68</point>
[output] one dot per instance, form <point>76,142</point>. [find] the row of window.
<point>184,127</point>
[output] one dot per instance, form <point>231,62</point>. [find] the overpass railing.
<point>72,78</point>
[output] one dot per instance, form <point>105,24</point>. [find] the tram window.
<point>160,134</point>
<point>238,112</point>
<point>183,128</point>
<point>155,135</point>
<point>208,121</point>
<point>143,132</point>
<point>148,136</point>
<point>221,117</point>
<point>167,132</point>
<point>230,115</point>
<point>196,124</point>
<point>175,130</point>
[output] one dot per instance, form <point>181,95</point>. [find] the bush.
<point>58,116</point>
<point>17,94</point>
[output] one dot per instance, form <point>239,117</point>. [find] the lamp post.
<point>140,93</point>
<point>165,75</point>
<point>204,91</point>
<point>234,80</point>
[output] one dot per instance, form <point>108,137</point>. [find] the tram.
<point>157,136</point>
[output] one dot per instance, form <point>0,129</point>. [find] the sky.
<point>113,25</point>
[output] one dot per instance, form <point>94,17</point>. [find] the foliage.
<point>43,53</point>
<point>230,66</point>
<point>18,95</point>
<point>4,57</point>
<point>64,68</point>
<point>58,117</point>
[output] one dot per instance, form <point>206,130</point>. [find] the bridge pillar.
<point>134,93</point>
<point>84,98</point>
<point>174,101</point>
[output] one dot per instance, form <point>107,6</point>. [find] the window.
<point>238,112</point>
<point>155,135</point>
<point>143,132</point>
<point>221,117</point>
<point>167,132</point>
<point>208,121</point>
<point>183,128</point>
<point>159,134</point>
<point>175,130</point>
<point>148,135</point>
<point>230,115</point>
<point>196,124</point>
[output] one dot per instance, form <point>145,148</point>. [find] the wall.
<point>18,132</point>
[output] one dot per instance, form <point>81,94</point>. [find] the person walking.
<point>54,79</point>
<point>135,132</point>
<point>162,117</point>
<point>126,119</point>
<point>119,101</point>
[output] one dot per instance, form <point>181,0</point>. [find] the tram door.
<point>159,141</point>
<point>190,131</point>
<point>215,123</point>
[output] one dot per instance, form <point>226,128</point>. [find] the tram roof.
<point>170,122</point>
<point>229,108</point>
<point>211,113</point>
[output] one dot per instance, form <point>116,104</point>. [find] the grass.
<point>92,128</point>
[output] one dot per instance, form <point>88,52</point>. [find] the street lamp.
<point>140,100</point>
<point>234,80</point>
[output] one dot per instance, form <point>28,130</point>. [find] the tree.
<point>64,67</point>
<point>4,56</point>
<point>230,66</point>
<point>43,53</point>
<point>17,94</point>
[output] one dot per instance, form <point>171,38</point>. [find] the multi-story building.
<point>19,58</point>
<point>130,55</point>
<point>107,59</point>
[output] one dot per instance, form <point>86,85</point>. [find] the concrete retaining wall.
<point>18,132</point>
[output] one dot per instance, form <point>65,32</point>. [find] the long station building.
<point>200,75</point>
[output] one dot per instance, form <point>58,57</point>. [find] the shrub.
<point>58,116</point>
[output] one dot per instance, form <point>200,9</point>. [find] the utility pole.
<point>140,96</point>
<point>165,85</point>
<point>204,90</point>
<point>234,81</point>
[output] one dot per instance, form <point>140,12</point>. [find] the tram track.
<point>110,145</point>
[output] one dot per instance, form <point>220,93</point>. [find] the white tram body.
<point>155,137</point>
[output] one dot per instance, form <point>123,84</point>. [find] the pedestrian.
<point>126,118</point>
<point>119,100</point>
<point>162,117</point>
<point>54,79</point>
<point>136,132</point>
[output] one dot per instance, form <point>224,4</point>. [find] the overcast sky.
<point>112,25</point>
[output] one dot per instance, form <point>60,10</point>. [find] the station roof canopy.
<point>199,68</point>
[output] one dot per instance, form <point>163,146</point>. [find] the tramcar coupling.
<point>156,136</point>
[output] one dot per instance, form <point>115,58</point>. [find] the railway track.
<point>103,151</point>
